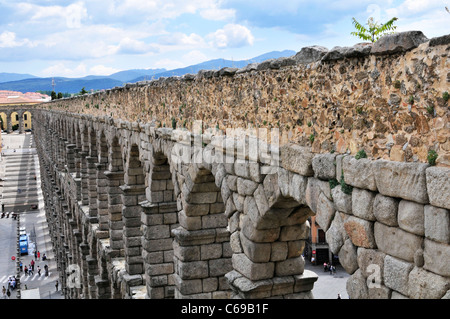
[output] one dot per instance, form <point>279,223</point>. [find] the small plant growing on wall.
<point>374,30</point>
<point>432,156</point>
<point>397,84</point>
<point>361,154</point>
<point>347,189</point>
<point>311,138</point>
<point>445,96</point>
<point>174,123</point>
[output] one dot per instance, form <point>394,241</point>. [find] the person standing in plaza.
<point>38,255</point>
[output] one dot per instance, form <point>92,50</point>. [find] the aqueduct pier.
<point>145,204</point>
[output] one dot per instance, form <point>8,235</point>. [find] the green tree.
<point>374,30</point>
<point>53,95</point>
<point>83,91</point>
<point>60,95</point>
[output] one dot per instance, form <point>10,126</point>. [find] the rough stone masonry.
<point>148,211</point>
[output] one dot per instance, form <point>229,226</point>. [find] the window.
<point>25,117</point>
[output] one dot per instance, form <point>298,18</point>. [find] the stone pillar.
<point>70,151</point>
<point>102,198</point>
<point>157,250</point>
<point>132,234</point>
<point>21,128</point>
<point>84,180</point>
<point>114,180</point>
<point>9,122</point>
<point>92,186</point>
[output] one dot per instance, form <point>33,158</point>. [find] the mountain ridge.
<point>101,82</point>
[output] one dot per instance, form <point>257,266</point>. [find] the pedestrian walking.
<point>8,293</point>
<point>46,270</point>
<point>32,265</point>
<point>339,296</point>
<point>35,254</point>
<point>39,271</point>
<point>26,270</point>
<point>38,255</point>
<point>3,292</point>
<point>56,285</point>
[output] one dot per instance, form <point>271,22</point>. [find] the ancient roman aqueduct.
<point>149,203</point>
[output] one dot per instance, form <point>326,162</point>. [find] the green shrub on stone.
<point>361,154</point>
<point>432,156</point>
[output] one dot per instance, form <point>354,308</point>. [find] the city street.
<point>329,286</point>
<point>21,193</point>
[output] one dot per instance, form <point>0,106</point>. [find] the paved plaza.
<point>20,191</point>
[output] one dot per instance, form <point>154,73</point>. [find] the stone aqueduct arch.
<point>157,213</point>
<point>8,111</point>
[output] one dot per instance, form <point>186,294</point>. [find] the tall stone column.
<point>9,122</point>
<point>114,180</point>
<point>132,234</point>
<point>92,187</point>
<point>70,151</point>
<point>21,128</point>
<point>84,180</point>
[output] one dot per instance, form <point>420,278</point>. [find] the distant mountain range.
<point>30,83</point>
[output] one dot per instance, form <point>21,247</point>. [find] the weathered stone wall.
<point>147,211</point>
<point>210,216</point>
<point>388,99</point>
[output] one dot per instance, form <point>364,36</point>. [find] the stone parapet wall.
<point>388,99</point>
<point>389,223</point>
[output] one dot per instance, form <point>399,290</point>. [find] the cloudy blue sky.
<point>99,37</point>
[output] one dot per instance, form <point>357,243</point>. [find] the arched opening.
<point>14,120</point>
<point>270,239</point>
<point>27,126</point>
<point>202,242</point>
<point>115,178</point>
<point>3,121</point>
<point>159,217</point>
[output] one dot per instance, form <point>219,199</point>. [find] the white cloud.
<point>60,69</point>
<point>170,9</point>
<point>168,64</point>
<point>181,39</point>
<point>102,70</point>
<point>70,16</point>
<point>132,46</point>
<point>8,40</point>
<point>231,36</point>
<point>194,57</point>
